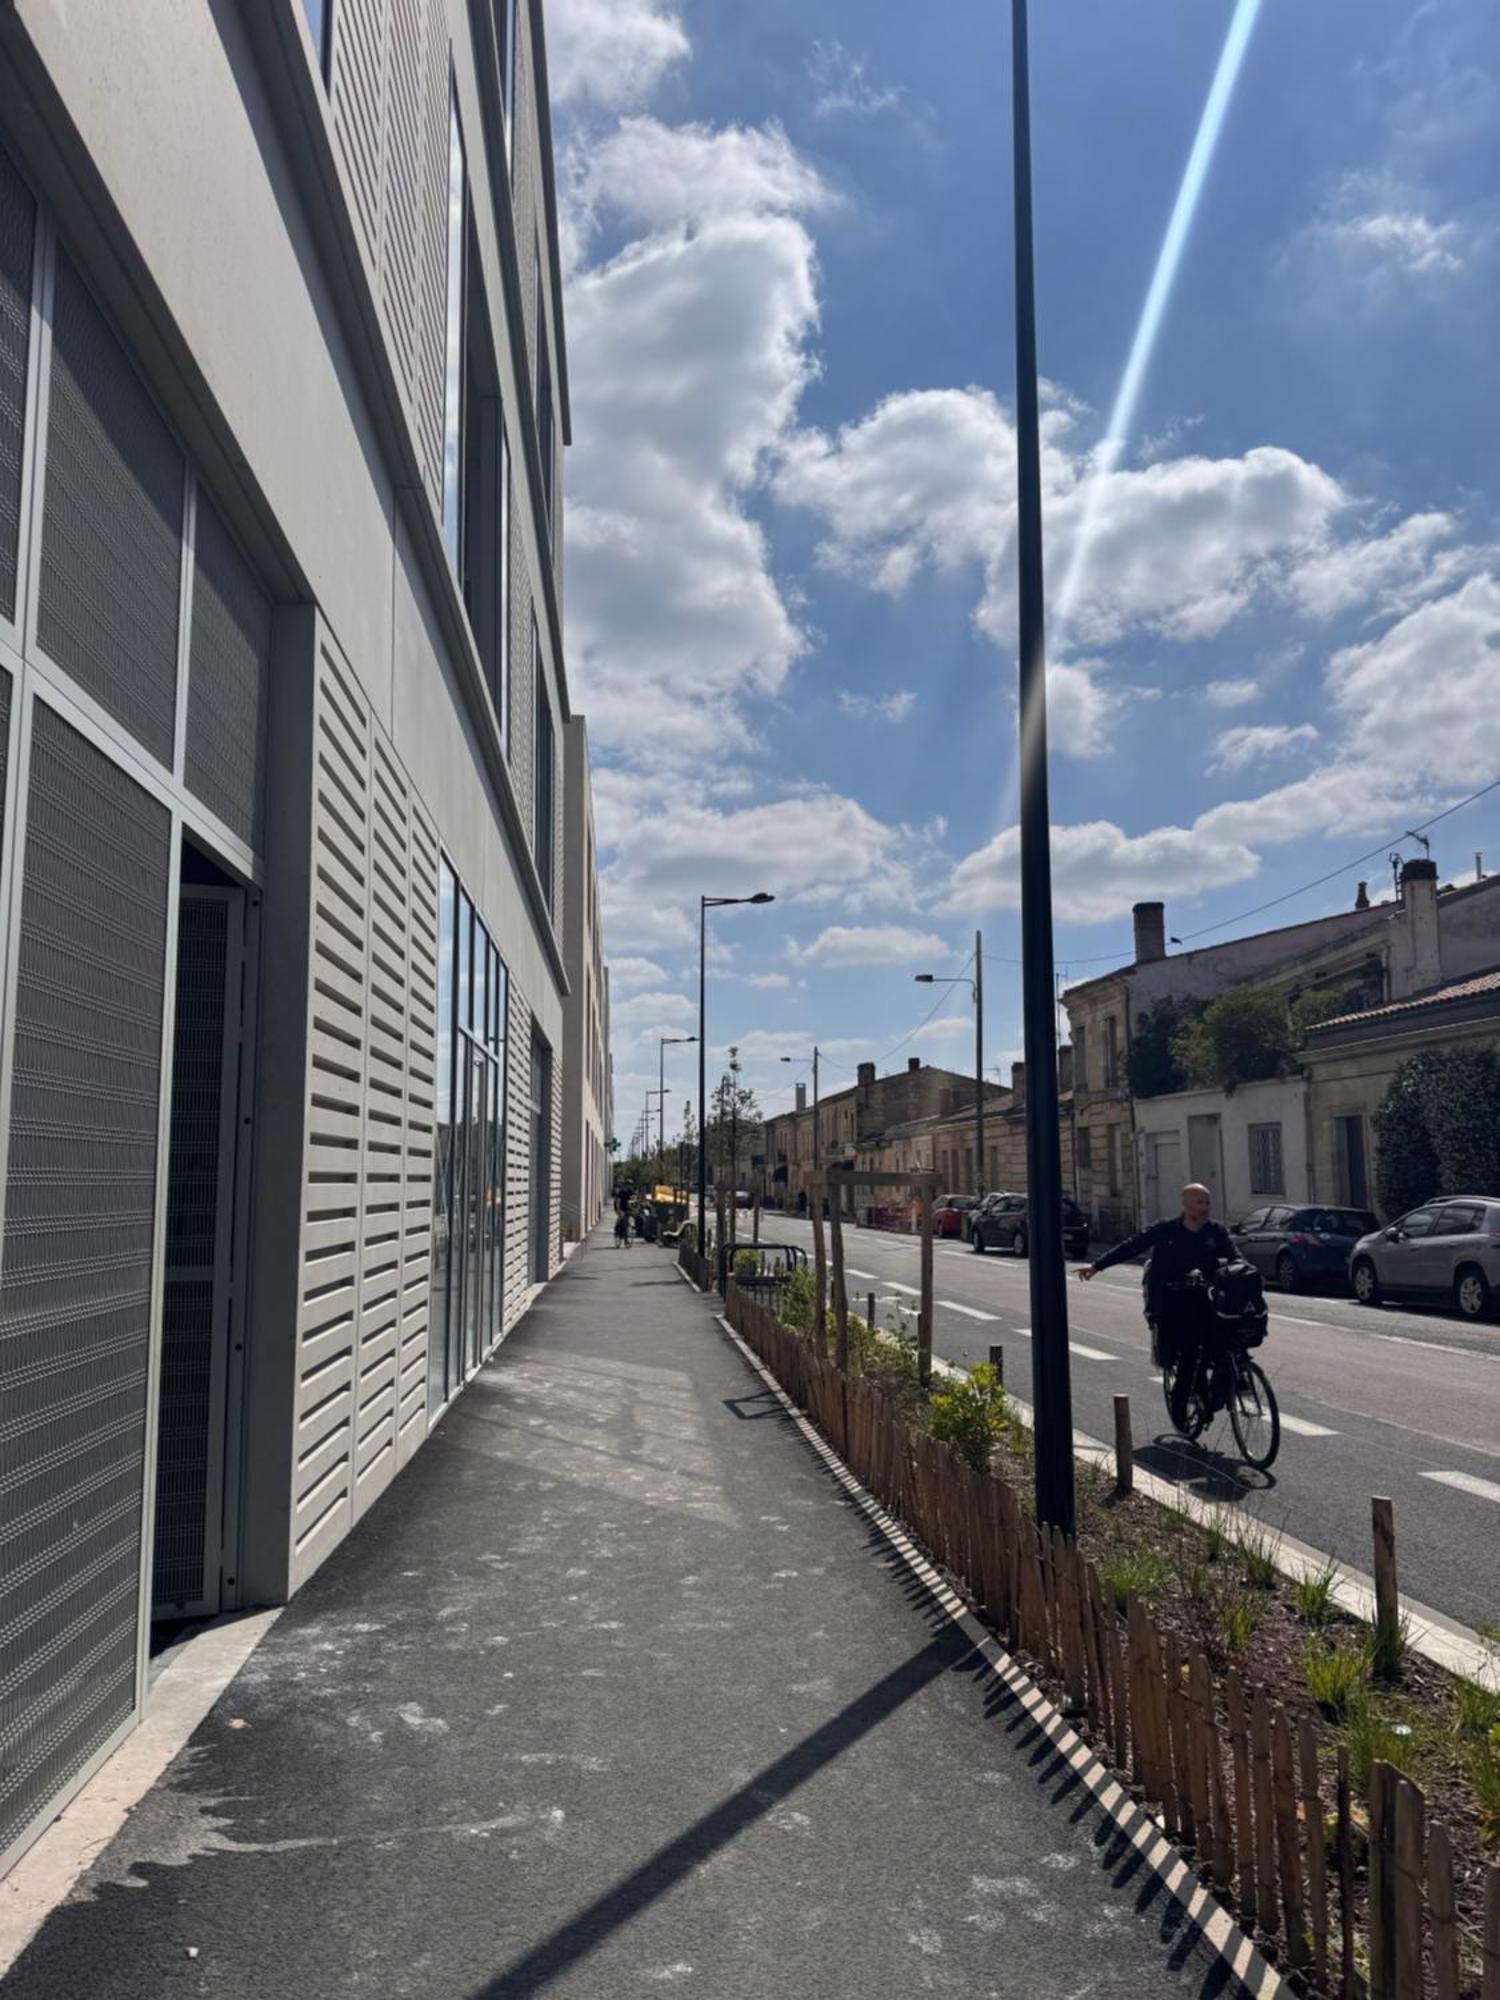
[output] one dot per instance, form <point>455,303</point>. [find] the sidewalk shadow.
<point>1209,1472</point>
<point>575,1940</point>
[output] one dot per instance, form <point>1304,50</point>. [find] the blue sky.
<point>789,544</point>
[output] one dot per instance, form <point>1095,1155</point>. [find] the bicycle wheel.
<point>1196,1415</point>
<point>1254,1416</point>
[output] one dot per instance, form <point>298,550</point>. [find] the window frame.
<point>1267,1158</point>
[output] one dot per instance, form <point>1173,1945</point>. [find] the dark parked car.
<point>1448,1250</point>
<point>950,1216</point>
<point>1302,1246</point>
<point>1002,1222</point>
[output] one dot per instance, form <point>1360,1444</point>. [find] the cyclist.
<point>1191,1241</point>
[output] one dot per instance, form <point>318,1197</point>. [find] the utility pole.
<point>1052,1385</point>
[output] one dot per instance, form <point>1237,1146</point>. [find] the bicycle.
<point>1227,1379</point>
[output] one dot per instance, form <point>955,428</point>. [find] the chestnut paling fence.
<point>1235,1780</point>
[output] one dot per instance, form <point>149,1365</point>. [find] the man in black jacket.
<point>1191,1241</point>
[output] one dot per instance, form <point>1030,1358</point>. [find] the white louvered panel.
<point>432,279</point>
<point>421,1039</point>
<point>522,681</point>
<point>401,199</point>
<point>359,107</point>
<point>554,1211</point>
<point>327,1389</point>
<point>517,1154</point>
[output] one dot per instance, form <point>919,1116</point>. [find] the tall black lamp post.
<point>705,904</point>
<point>1051,1382</point>
<point>663,1043</point>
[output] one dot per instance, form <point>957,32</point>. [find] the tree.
<point>1438,1128</point>
<point>1244,1036</point>
<point>1152,1064</point>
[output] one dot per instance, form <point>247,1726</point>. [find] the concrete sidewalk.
<point>614,1692</point>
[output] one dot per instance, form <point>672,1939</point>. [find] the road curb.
<point>1240,1956</point>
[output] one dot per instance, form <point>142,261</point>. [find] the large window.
<point>453,391</point>
<point>468,1160</point>
<point>1265,1160</point>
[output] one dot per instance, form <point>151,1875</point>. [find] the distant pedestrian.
<point>622,1218</point>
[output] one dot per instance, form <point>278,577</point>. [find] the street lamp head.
<point>924,978</point>
<point>762,896</point>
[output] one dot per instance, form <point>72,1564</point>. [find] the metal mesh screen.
<point>111,525</point>
<point>17,235</point>
<point>229,660</point>
<point>187,1358</point>
<point>5,688</point>
<point>75,1286</point>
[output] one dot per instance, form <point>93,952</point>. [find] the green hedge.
<point>1438,1129</point>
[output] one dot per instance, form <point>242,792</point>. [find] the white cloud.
<point>1421,697</point>
<point>948,1028</point>
<point>1231,694</point>
<point>878,707</point>
<point>1098,870</point>
<point>843,85</point>
<point>1251,743</point>
<point>870,944</point>
<point>611,52</point>
<point>1392,570</point>
<point>1374,243</point>
<point>653,1010</point>
<point>1081,707</point>
<point>625,972</point>
<point>688,353</point>
<point>767,982</point>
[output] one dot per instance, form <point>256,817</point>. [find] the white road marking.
<point>1291,1319</point>
<point>1302,1428</point>
<point>969,1312</point>
<point>897,1286</point>
<point>873,1277</point>
<point>1089,1353</point>
<point>1465,1482</point>
<point>1437,1346</point>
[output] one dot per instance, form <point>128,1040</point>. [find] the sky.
<point>1273,595</point>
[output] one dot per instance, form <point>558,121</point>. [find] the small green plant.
<point>969,1413</point>
<point>1389,1648</point>
<point>1335,1676</point>
<point>747,1263</point>
<point>1131,1572</point>
<point>1484,1770</point>
<point>1313,1596</point>
<point>1239,1620</point>
<point>1376,1737</point>
<point>799,1300</point>
<point>1256,1547</point>
<point>1217,1541</point>
<point>1477,1708</point>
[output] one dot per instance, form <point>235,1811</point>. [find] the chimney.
<point>866,1075</point>
<point>913,1062</point>
<point>801,1096</point>
<point>1150,932</point>
<point>1362,899</point>
<point>1017,1085</point>
<point>1064,1069</point>
<point>1417,961</point>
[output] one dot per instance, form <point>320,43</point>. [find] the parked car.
<point>950,1216</point>
<point>1448,1250</point>
<point>1302,1246</point>
<point>1002,1222</point>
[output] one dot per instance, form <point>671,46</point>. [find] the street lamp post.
<point>705,904</point>
<point>813,1059</point>
<point>976,988</point>
<point>1049,1297</point>
<point>663,1043</point>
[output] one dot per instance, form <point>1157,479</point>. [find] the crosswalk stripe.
<point>873,1277</point>
<point>1302,1428</point>
<point>1089,1353</point>
<point>969,1312</point>
<point>1465,1482</point>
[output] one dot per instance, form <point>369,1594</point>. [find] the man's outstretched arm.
<point>1133,1246</point>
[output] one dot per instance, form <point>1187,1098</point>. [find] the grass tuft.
<point>1131,1572</point>
<point>1313,1596</point>
<point>1256,1548</point>
<point>1335,1676</point>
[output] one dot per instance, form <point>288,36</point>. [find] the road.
<point>1384,1400</point>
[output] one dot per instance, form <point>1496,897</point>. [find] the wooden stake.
<point>840,1294</point>
<point>1387,1598</point>
<point>1382,1885</point>
<point>1444,1917</point>
<point>1265,1821</point>
<point>1119,1686</point>
<point>1409,1867</point>
<point>1244,1811</point>
<point>1289,1860</point>
<point>820,1267</point>
<point>997,1362</point>
<point>1124,1447</point>
<point>1345,1810</point>
<point>1215,1803</point>
<point>1317,1860</point>
<point>870,1322</point>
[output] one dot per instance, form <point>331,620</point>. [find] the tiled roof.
<point>1440,996</point>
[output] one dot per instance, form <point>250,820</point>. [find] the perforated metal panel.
<point>402,204</point>
<point>517,1154</point>
<point>358,68</point>
<point>75,1283</point>
<point>190,1436</point>
<point>419,1058</point>
<point>111,525</point>
<point>432,308</point>
<point>17,239</point>
<point>228,666</point>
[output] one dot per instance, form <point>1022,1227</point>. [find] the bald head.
<point>1197,1204</point>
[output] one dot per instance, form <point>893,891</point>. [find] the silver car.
<point>1448,1250</point>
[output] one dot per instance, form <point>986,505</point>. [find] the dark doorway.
<point>203,1285</point>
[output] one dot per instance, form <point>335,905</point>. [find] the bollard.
<point>871,1320</point>
<point>997,1362</point>
<point>1387,1598</point>
<point>1124,1447</point>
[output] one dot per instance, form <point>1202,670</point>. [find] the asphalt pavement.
<point>1373,1400</point>
<point>615,1691</point>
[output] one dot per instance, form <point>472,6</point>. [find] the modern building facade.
<point>283,906</point>
<point>587,1113</point>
